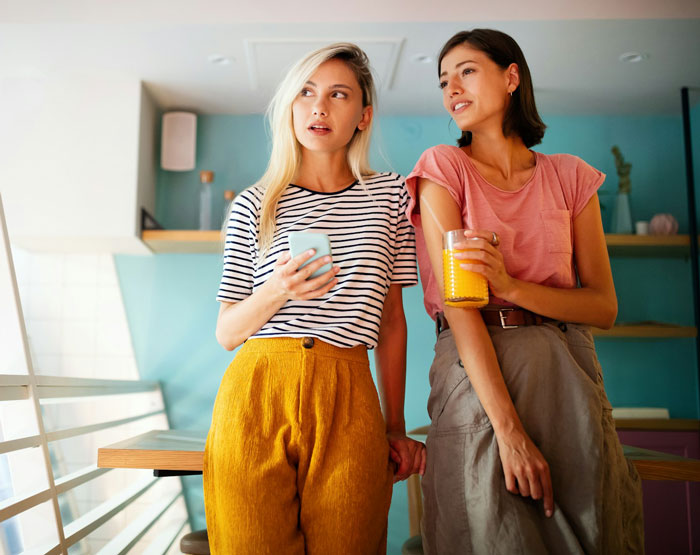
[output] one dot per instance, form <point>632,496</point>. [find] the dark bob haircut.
<point>521,116</point>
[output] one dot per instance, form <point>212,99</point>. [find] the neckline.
<point>529,180</point>
<point>324,192</point>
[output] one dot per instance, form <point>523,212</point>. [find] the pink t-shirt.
<point>534,223</point>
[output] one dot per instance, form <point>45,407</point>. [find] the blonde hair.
<point>285,158</point>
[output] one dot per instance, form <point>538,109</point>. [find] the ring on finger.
<point>495,241</point>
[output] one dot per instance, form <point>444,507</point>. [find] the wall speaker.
<point>178,145</point>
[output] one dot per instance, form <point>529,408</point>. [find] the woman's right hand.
<point>288,282</point>
<point>526,471</point>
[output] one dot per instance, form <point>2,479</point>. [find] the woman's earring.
<point>511,93</point>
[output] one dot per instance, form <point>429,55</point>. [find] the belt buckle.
<point>503,318</point>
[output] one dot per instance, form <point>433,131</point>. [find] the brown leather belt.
<point>506,318</point>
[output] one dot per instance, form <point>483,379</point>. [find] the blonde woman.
<point>299,458</point>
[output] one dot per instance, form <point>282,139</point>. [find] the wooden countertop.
<point>157,449</point>
<point>184,450</point>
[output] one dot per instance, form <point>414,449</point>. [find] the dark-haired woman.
<point>522,451</point>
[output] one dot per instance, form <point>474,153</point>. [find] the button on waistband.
<point>307,342</point>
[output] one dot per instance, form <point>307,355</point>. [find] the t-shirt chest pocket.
<point>557,227</point>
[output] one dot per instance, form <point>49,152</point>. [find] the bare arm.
<point>238,321</point>
<point>593,303</point>
<point>523,464</point>
<point>390,361</point>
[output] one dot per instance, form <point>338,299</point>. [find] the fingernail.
<point>310,251</point>
<point>548,512</point>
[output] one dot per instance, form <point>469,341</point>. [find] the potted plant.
<point>622,216</point>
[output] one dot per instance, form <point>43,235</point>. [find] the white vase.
<point>205,206</point>
<point>622,217</point>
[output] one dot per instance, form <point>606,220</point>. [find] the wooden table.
<point>160,450</point>
<point>183,451</point>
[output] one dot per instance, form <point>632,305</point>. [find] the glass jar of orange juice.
<point>463,288</point>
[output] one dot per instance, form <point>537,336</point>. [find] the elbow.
<point>225,340</point>
<point>608,316</point>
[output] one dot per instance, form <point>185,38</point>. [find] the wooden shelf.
<point>651,330</point>
<point>649,246</point>
<point>183,241</point>
<point>665,424</point>
<point>195,241</point>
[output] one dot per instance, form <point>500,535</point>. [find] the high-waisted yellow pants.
<point>296,460</point>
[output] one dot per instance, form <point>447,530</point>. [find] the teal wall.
<point>170,302</point>
<point>235,147</point>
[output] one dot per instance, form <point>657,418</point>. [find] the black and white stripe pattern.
<point>371,240</point>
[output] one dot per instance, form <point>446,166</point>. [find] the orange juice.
<point>462,287</point>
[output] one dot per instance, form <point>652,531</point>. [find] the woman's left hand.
<point>485,259</point>
<point>407,453</point>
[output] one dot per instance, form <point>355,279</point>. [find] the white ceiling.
<point>572,48</point>
<point>359,11</point>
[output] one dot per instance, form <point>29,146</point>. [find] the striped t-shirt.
<point>371,240</point>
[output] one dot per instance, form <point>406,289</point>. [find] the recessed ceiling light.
<point>422,59</point>
<point>633,57</point>
<point>219,60</point>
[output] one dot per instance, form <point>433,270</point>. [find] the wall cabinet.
<point>671,509</point>
<point>79,162</point>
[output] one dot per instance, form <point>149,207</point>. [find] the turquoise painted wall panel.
<point>652,144</point>
<point>650,373</point>
<point>170,298</point>
<point>653,289</point>
<point>172,311</point>
<point>236,148</point>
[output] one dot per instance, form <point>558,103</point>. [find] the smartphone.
<point>300,241</point>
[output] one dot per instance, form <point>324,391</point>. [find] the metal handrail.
<point>90,521</point>
<point>20,503</point>
<point>16,387</point>
<point>128,537</point>
<point>43,390</point>
<point>82,430</point>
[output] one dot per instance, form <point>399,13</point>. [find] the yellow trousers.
<point>296,460</point>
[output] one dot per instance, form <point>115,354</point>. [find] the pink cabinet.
<point>671,509</point>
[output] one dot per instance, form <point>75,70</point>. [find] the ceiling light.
<point>633,57</point>
<point>422,59</point>
<point>219,60</point>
